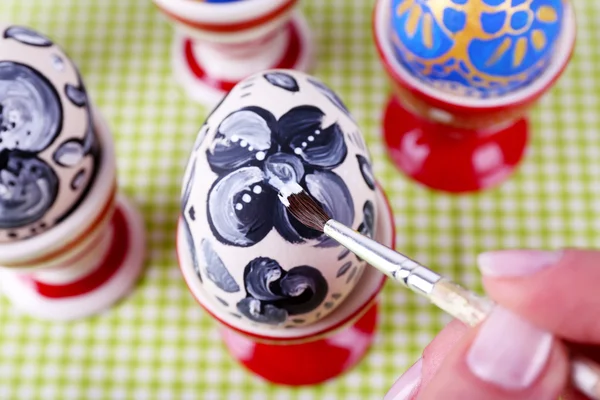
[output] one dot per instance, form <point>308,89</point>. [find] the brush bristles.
<point>307,211</point>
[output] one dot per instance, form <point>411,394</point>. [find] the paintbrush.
<point>457,301</point>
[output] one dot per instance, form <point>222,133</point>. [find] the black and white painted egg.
<point>253,259</point>
<point>48,148</point>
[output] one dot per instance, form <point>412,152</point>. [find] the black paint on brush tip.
<point>307,211</point>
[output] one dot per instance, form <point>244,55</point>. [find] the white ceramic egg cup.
<point>218,45</point>
<point>86,263</point>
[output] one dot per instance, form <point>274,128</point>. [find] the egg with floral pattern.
<point>254,259</point>
<point>478,48</point>
<point>49,152</point>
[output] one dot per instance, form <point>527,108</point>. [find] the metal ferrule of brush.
<point>393,264</point>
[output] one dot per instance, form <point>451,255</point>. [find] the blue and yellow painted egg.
<point>478,48</point>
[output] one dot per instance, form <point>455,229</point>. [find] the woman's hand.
<point>518,352</point>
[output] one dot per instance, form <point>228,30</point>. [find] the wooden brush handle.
<point>472,309</point>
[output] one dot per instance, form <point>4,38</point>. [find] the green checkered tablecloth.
<point>158,343</point>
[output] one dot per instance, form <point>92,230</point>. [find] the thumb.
<point>504,358</point>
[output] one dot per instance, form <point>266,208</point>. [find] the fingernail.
<point>509,263</point>
<point>406,384</point>
<point>508,351</point>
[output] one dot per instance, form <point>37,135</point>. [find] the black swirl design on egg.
<point>367,227</point>
<point>216,270</point>
<point>330,94</point>
<point>282,80</point>
<point>28,188</point>
<point>76,95</point>
<point>366,171</point>
<point>78,180</point>
<point>343,254</point>
<point>70,153</point>
<point>27,36</point>
<point>30,120</point>
<point>201,136</point>
<point>243,139</point>
<point>274,294</point>
<point>186,226</point>
<point>240,207</point>
<point>343,269</point>
<point>352,274</point>
<point>255,155</point>
<point>31,116</point>
<point>328,188</point>
<point>30,109</point>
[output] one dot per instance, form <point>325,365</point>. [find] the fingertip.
<point>516,263</point>
<point>560,297</point>
<point>514,363</point>
<point>407,385</point>
<point>436,351</point>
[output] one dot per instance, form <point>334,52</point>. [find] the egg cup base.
<point>209,90</point>
<point>449,159</point>
<point>114,278</point>
<point>308,363</point>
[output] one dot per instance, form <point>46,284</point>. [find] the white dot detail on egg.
<point>257,189</point>
<point>246,198</point>
<point>311,138</point>
<point>298,150</point>
<point>260,155</point>
<point>239,206</point>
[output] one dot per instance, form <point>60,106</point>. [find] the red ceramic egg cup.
<point>454,143</point>
<point>316,353</point>
<point>218,45</point>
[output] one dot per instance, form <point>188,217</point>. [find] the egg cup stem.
<point>450,159</point>
<point>87,263</point>
<point>210,58</point>
<point>94,277</point>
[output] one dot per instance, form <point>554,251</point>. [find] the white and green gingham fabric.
<point>158,343</point>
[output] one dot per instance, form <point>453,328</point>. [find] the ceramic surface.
<point>256,259</point>
<point>48,149</point>
<point>478,48</point>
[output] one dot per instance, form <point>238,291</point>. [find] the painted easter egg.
<point>254,259</point>
<point>479,48</point>
<point>48,149</point>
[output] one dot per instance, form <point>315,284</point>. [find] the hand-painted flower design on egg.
<point>273,294</point>
<point>282,80</point>
<point>27,36</point>
<point>255,154</point>
<point>30,119</point>
<point>216,270</point>
<point>367,227</point>
<point>32,115</point>
<point>330,94</point>
<point>366,171</point>
<point>28,188</point>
